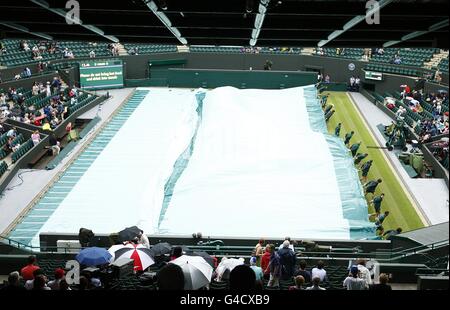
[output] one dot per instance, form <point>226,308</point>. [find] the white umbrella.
<point>140,254</point>
<point>197,272</point>
<point>228,264</point>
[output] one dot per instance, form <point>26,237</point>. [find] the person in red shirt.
<point>28,270</point>
<point>265,260</point>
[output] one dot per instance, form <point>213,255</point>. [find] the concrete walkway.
<point>431,195</point>
<point>28,183</point>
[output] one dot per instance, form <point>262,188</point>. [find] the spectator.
<point>287,260</point>
<point>364,273</point>
<point>243,278</point>
<point>176,252</point>
<point>63,286</point>
<point>13,283</point>
<point>382,286</point>
<point>40,283</point>
<point>303,272</point>
<point>170,277</point>
<point>299,282</point>
<point>30,283</point>
<point>92,54</point>
<point>36,137</point>
<point>315,285</point>
<point>59,276</point>
<point>275,268</point>
<point>265,260</point>
<point>327,79</point>
<point>12,133</point>
<point>258,271</point>
<point>84,284</point>
<point>258,251</point>
<point>353,282</point>
<point>319,271</point>
<point>27,272</point>
<point>143,239</point>
<point>54,145</point>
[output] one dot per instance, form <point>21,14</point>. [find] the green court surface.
<point>396,201</point>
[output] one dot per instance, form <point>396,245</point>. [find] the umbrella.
<point>140,254</point>
<point>208,258</point>
<point>93,256</point>
<point>129,233</point>
<point>228,264</point>
<point>161,249</point>
<point>197,272</point>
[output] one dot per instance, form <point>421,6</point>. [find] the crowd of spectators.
<point>12,104</point>
<point>277,266</point>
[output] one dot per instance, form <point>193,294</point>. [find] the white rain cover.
<point>125,184</point>
<point>257,169</point>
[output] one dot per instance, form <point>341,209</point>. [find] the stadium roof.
<point>416,23</point>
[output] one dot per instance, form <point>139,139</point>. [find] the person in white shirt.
<point>319,271</point>
<point>48,90</point>
<point>353,282</point>
<point>92,54</point>
<point>143,239</point>
<point>364,273</point>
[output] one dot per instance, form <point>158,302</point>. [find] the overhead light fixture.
<point>249,5</point>
<point>165,20</point>
<point>163,5</point>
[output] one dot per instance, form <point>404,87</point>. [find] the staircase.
<point>122,50</point>
<point>436,59</point>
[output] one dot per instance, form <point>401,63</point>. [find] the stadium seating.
<point>409,56</point>
<point>23,149</point>
<point>151,48</point>
<point>216,49</point>
<point>348,53</point>
<point>3,168</point>
<point>392,69</point>
<point>443,65</point>
<point>82,101</point>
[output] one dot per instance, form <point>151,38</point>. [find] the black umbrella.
<point>208,258</point>
<point>129,233</point>
<point>161,249</point>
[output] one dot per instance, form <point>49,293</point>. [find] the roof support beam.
<point>355,20</point>
<point>259,20</point>
<point>26,30</point>
<point>165,20</point>
<point>416,34</point>
<point>63,13</point>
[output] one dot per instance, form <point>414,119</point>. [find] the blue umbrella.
<point>94,256</point>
